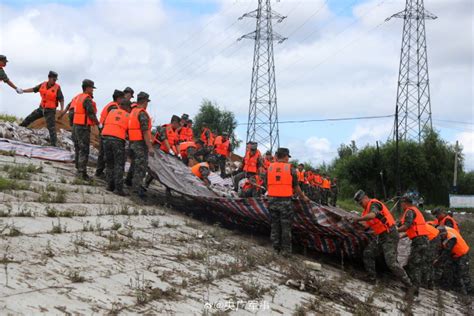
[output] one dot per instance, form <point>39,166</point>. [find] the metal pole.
<point>455,180</point>
<point>397,162</point>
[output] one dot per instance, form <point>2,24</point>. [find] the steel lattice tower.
<point>263,113</point>
<point>413,107</point>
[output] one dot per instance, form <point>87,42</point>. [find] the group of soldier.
<point>439,255</point>
<point>438,251</point>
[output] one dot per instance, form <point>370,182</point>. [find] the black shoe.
<point>110,188</point>
<point>85,177</point>
<point>128,183</point>
<point>121,193</point>
<point>100,175</point>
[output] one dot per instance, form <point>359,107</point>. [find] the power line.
<point>330,119</point>
<point>456,122</point>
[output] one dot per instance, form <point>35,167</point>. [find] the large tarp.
<point>321,228</point>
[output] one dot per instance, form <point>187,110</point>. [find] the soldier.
<point>444,219</point>
<point>282,184</point>
<point>117,97</point>
<point>3,75</point>
<point>455,255</point>
<point>139,134</point>
<point>114,133</point>
<point>128,93</point>
<point>202,152</point>
<point>413,225</point>
<point>171,132</point>
<point>223,149</point>
<point>51,96</point>
<point>251,164</point>
<point>434,245</point>
<point>377,217</point>
<point>202,170</point>
<point>85,110</point>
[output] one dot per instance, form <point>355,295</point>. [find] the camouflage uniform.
<point>456,269</point>
<point>74,140</point>
<point>101,158</point>
<point>82,135</point>
<point>114,152</point>
<point>334,192</point>
<point>417,261</point>
<point>139,155</point>
<point>3,75</point>
<point>431,255</point>
<point>385,243</point>
<point>281,212</point>
<point>160,136</point>
<point>48,114</point>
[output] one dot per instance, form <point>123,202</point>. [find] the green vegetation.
<point>427,167</point>
<point>8,118</point>
<point>58,197</point>
<point>7,184</point>
<point>217,119</point>
<point>10,153</point>
<point>21,172</point>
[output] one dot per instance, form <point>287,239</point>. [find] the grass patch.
<point>14,232</point>
<point>7,184</point>
<point>59,196</point>
<point>8,118</point>
<point>75,277</point>
<point>10,153</point>
<point>21,172</point>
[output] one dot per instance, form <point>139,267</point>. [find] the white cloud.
<point>315,150</point>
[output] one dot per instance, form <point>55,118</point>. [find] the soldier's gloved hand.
<point>19,90</point>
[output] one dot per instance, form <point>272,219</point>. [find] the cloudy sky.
<point>341,60</point>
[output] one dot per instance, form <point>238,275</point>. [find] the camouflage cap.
<point>3,58</point>
<point>225,134</point>
<point>185,116</point>
<point>118,94</point>
<point>359,195</point>
<point>88,83</point>
<point>143,96</point>
<point>52,74</point>
<point>283,152</point>
<point>128,90</point>
<point>175,118</point>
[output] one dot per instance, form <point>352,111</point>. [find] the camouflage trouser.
<point>385,243</point>
<point>461,274</point>
<point>417,261</point>
<point>139,154</point>
<point>101,158</point>
<point>71,117</point>
<point>222,161</point>
<point>238,177</point>
<point>281,212</point>
<point>333,198</point>
<point>49,117</point>
<point>114,152</point>
<point>82,135</point>
<point>431,254</point>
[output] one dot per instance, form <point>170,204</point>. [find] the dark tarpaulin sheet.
<point>315,226</point>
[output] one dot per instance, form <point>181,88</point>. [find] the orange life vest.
<point>433,232</point>
<point>116,124</point>
<point>418,228</point>
<point>172,138</point>
<point>105,111</point>
<point>195,169</point>
<point>49,96</point>
<point>279,180</point>
<point>222,147</point>
<point>377,225</point>
<point>326,184</point>
<point>186,134</point>
<point>461,248</point>
<point>210,141</point>
<point>317,180</point>
<point>183,148</point>
<point>80,115</point>
<point>443,222</point>
<point>433,223</point>
<point>134,130</point>
<point>267,162</point>
<point>301,177</point>
<point>251,162</point>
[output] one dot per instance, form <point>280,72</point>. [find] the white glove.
<point>19,90</point>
